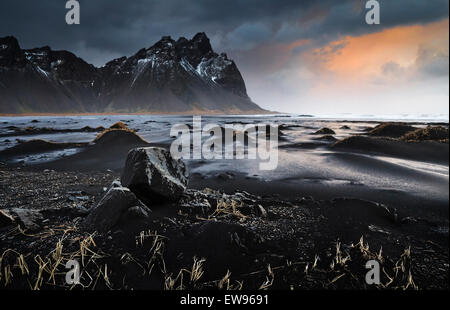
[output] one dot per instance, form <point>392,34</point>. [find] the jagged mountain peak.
<point>10,52</point>
<point>193,50</point>
<point>9,42</point>
<point>170,76</point>
<point>199,45</point>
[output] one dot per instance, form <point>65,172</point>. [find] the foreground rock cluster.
<point>150,176</point>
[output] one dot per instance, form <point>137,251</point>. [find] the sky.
<point>299,56</point>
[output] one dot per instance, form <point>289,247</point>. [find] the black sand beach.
<point>331,205</point>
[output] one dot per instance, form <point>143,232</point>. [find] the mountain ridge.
<point>171,76</point>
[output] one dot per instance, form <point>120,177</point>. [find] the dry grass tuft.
<point>119,125</point>
<point>269,279</point>
<point>431,133</point>
<point>225,207</point>
<point>194,275</point>
<point>109,130</point>
<point>345,269</point>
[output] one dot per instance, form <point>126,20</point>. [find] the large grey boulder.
<point>154,175</point>
<point>115,205</point>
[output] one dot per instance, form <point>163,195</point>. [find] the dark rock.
<point>325,131</point>
<point>89,129</point>
<point>329,138</point>
<point>245,197</point>
<point>116,203</point>
<point>200,207</point>
<point>377,229</point>
<point>77,198</point>
<point>27,218</point>
<point>153,175</point>
<point>66,212</point>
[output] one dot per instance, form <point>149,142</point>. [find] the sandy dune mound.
<point>118,133</point>
<point>437,133</point>
<point>392,130</point>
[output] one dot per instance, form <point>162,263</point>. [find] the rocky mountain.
<point>169,77</point>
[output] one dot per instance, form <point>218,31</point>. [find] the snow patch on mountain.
<point>180,75</point>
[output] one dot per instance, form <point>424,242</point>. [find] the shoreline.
<point>411,121</point>
<point>140,113</point>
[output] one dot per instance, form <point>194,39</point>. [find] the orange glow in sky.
<point>365,55</point>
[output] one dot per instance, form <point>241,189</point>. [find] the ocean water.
<point>156,128</point>
<point>311,162</point>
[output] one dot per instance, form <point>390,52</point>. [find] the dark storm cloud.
<point>122,27</point>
